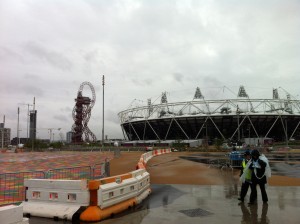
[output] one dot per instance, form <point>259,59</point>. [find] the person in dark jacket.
<point>258,168</point>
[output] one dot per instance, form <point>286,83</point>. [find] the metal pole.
<point>3,131</point>
<point>50,135</point>
<point>238,121</point>
<point>286,134</point>
<point>27,121</point>
<point>206,137</point>
<point>18,142</point>
<point>33,135</point>
<point>103,114</point>
<point>238,118</point>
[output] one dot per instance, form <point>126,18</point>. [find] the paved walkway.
<point>190,204</point>
<point>184,191</point>
<point>216,204</point>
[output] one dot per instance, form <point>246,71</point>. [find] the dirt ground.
<point>171,169</point>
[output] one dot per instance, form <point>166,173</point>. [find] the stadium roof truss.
<point>259,116</point>
<point>226,119</point>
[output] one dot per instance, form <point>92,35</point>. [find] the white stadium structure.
<point>233,119</point>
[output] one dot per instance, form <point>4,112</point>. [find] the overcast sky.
<point>48,48</point>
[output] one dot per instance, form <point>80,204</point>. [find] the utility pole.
<point>50,131</point>
<point>3,131</point>
<point>238,121</point>
<point>52,134</point>
<point>103,83</point>
<point>18,137</point>
<point>33,135</point>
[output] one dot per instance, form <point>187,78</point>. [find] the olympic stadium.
<point>232,118</point>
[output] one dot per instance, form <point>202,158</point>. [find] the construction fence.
<point>12,188</point>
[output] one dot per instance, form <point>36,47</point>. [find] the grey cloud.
<point>211,81</point>
<point>6,54</point>
<point>33,77</point>
<point>142,82</point>
<point>54,58</point>
<point>144,48</point>
<point>66,109</point>
<point>112,116</point>
<point>178,76</point>
<point>61,118</point>
<point>91,56</point>
<point>34,90</point>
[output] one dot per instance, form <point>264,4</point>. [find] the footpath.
<point>172,169</point>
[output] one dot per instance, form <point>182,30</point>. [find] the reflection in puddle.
<point>250,214</point>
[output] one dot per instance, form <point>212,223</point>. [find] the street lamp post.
<point>3,131</point>
<point>18,137</point>
<point>103,83</point>
<point>51,135</point>
<point>34,128</point>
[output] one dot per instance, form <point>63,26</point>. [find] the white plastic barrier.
<point>147,156</point>
<point>12,214</point>
<point>116,192</point>
<point>63,198</point>
<point>55,198</point>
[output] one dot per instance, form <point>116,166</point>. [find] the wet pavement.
<point>215,203</point>
<point>283,167</point>
<point>286,169</point>
<point>170,204</point>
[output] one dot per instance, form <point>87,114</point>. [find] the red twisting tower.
<point>81,116</point>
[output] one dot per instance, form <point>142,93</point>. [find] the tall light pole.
<point>3,131</point>
<point>18,137</point>
<point>103,83</point>
<point>52,134</point>
<point>34,128</point>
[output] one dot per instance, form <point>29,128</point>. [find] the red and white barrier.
<point>116,192</point>
<point>104,198</point>
<point>55,198</point>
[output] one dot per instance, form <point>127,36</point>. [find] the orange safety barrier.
<point>118,178</point>
<point>141,164</point>
<point>94,213</point>
<point>94,185</point>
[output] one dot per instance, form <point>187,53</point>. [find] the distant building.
<point>69,136</point>
<point>16,141</point>
<point>4,136</point>
<point>32,134</point>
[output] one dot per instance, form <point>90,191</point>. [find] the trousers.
<point>253,195</point>
<point>244,190</point>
